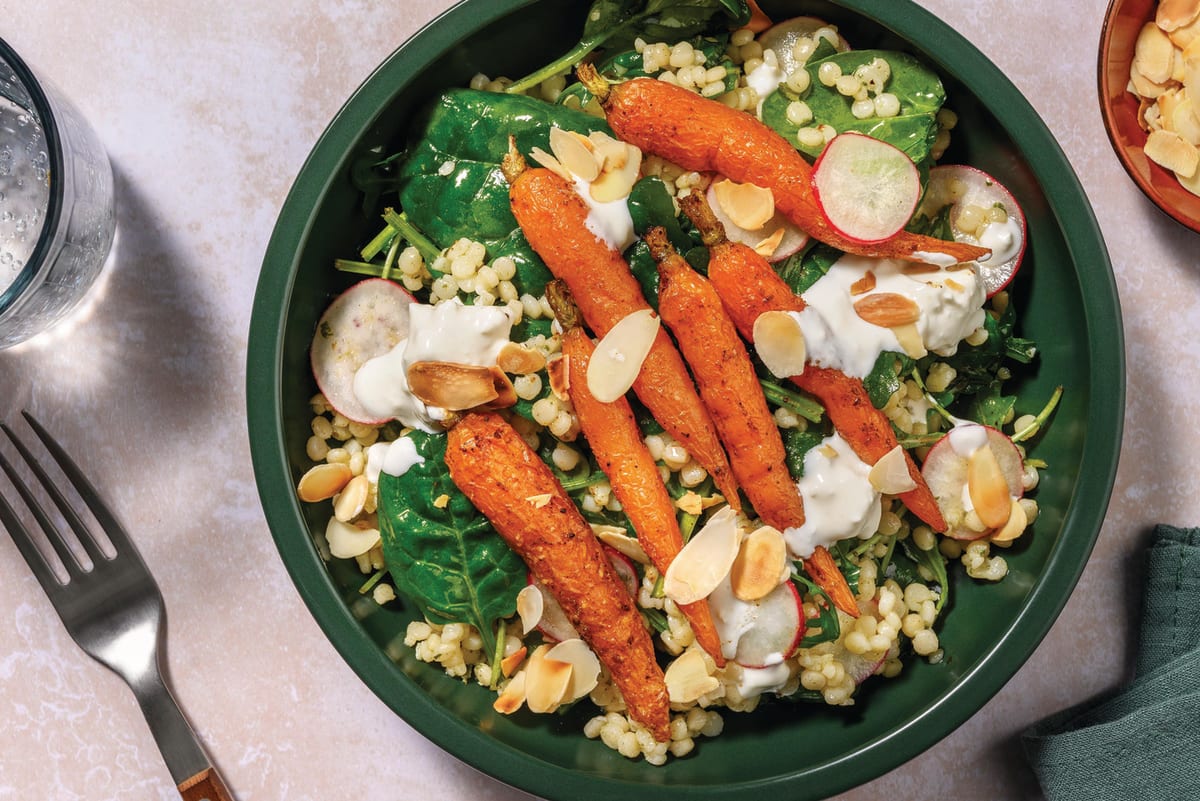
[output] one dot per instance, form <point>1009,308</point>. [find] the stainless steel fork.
<point>113,610</point>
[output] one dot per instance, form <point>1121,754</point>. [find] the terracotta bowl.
<point>1119,107</point>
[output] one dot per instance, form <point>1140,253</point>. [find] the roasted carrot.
<point>553,218</point>
<point>516,491</point>
<point>748,286</point>
<point>729,388</point>
<point>702,134</point>
<point>612,432</point>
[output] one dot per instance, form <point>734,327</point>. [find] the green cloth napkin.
<point>1141,741</point>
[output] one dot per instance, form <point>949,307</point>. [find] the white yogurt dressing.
<point>611,221</point>
<point>764,80</point>
<point>394,458</point>
<point>756,681</point>
<point>448,332</point>
<point>951,304</point>
<point>1004,239</point>
<point>839,500</point>
<point>966,438</point>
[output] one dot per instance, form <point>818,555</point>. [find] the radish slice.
<point>973,193</point>
<point>367,320</point>
<point>947,467</point>
<point>553,623</point>
<point>760,239</point>
<point>759,633</point>
<point>867,188</point>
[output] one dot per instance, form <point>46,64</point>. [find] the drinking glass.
<point>56,203</point>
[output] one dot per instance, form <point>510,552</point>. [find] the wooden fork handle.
<point>204,786</point>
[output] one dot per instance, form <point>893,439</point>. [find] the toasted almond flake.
<point>1183,36</point>
<point>616,538</point>
<point>552,164</point>
<point>950,283</point>
<point>574,152</point>
<point>510,663</point>
<point>761,564</point>
<point>1015,525</point>
<point>920,268</point>
<point>866,283</point>
<point>705,560</point>
<point>1174,14</point>
<point>506,393</point>
<point>559,375</point>
<point>890,474</point>
<point>768,246</point>
<point>619,355</point>
<point>546,681</point>
<point>709,501</point>
<point>520,359</point>
<point>1172,151</point>
<point>452,386</point>
<point>779,342</point>
<point>987,488</point>
<point>1143,85</point>
<point>530,605</point>
<point>539,501</point>
<point>323,481</point>
<point>747,205</point>
<point>1152,53</point>
<point>1184,120</point>
<point>512,697</point>
<point>691,503</point>
<point>910,339</point>
<point>617,176</point>
<point>828,451</point>
<point>441,501</point>
<point>347,540</point>
<point>687,678</point>
<point>887,309</point>
<point>610,153</point>
<point>352,499</point>
<point>585,667</point>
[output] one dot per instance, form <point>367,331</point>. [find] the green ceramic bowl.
<point>1069,305</point>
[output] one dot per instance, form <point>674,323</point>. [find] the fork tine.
<point>20,536</point>
<point>74,569</point>
<point>117,535</point>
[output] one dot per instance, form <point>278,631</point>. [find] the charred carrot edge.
<point>702,134</point>
<point>825,574</point>
<point>616,441</point>
<point>748,287</point>
<point>728,386</point>
<point>553,218</point>
<point>516,491</point>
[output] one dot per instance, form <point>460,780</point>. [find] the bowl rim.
<point>1084,515</point>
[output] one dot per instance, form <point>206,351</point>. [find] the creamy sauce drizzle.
<point>839,500</point>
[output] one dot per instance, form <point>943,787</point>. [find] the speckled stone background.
<point>208,111</point>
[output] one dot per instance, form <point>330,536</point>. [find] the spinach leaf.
<point>448,560</point>
<point>825,627</point>
<point>885,377</point>
<point>650,204</point>
<point>801,270</point>
<point>977,368</point>
<point>913,130</point>
<point>933,561</point>
<point>451,184</point>
<point>617,23</point>
<point>797,443</point>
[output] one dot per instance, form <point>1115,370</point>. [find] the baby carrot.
<point>616,441</point>
<point>723,372</point>
<point>702,134</point>
<point>516,491</point>
<point>553,218</point>
<point>748,286</point>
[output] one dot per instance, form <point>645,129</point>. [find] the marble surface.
<point>208,111</point>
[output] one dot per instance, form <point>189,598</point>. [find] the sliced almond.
<point>616,538</point>
<point>1185,121</point>
<point>619,355</point>
<point>690,502</point>
<point>323,482</point>
<point>441,501</point>
<point>910,339</point>
<point>538,501</point>
<point>1152,53</point>
<point>546,681</point>
<point>767,247</point>
<point>779,342</point>
<point>347,540</point>
<point>987,488</point>
<point>510,663</point>
<point>1014,526</point>
<point>1172,151</point>
<point>585,667</point>
<point>1184,35</point>
<point>506,393</point>
<point>512,697</point>
<point>452,386</point>
<point>1173,14</point>
<point>530,604</point>
<point>688,679</point>
<point>747,205</point>
<point>705,559</point>
<point>520,359</point>
<point>552,164</point>
<point>890,474</point>
<point>920,268</point>
<point>1191,184</point>
<point>559,375</point>
<point>574,152</point>
<point>887,309</point>
<point>866,283</point>
<point>1143,85</point>
<point>351,501</point>
<point>761,564</point>
<point>617,176</point>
